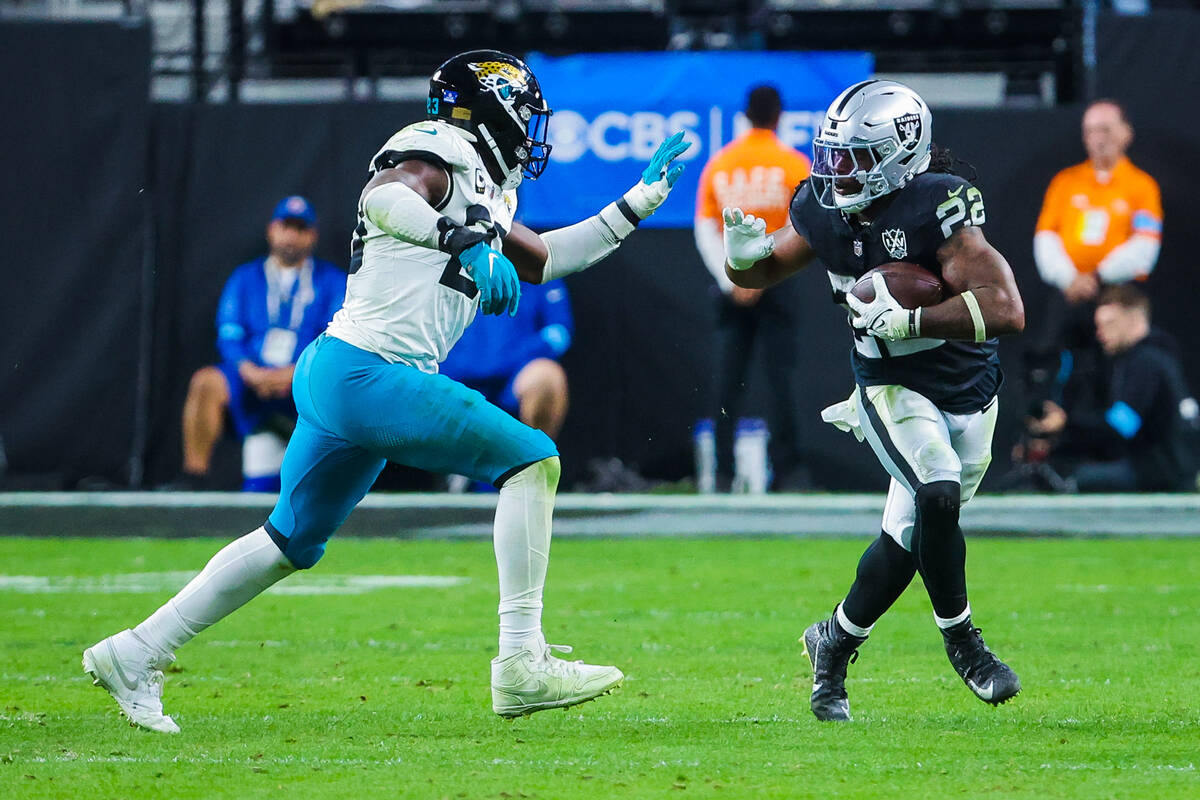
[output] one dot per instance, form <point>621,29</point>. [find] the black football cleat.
<point>988,677</point>
<point>830,650</point>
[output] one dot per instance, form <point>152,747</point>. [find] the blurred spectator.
<point>1100,225</point>
<point>270,310</point>
<point>758,174</point>
<point>1101,220</point>
<point>1140,440</point>
<point>513,361</point>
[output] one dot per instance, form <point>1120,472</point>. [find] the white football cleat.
<point>527,681</point>
<point>132,674</point>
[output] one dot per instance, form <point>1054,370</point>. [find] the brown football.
<point>912,285</point>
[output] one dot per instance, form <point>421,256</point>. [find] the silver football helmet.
<point>876,137</point>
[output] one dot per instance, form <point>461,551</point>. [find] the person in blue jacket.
<point>513,361</point>
<point>270,309</point>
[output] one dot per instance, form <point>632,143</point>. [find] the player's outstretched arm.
<point>755,259</point>
<point>401,201</point>
<point>560,252</point>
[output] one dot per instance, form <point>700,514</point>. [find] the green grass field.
<point>385,693</point>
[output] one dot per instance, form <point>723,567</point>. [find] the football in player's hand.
<point>912,285</point>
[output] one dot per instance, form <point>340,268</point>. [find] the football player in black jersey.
<point>926,380</point>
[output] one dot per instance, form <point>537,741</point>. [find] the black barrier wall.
<point>639,367</point>
<point>74,104</point>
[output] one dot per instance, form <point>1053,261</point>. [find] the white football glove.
<point>883,317</point>
<point>746,239</point>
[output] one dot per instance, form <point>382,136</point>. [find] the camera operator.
<point>1138,440</point>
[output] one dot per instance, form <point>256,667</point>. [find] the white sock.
<point>950,623</point>
<point>234,576</point>
<point>850,627</point>
<point>522,541</point>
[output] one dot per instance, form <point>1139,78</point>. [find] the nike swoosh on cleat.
<point>539,690</point>
<point>130,685</point>
<point>817,687</point>
<point>983,692</point>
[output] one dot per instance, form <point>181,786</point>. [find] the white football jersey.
<point>407,303</point>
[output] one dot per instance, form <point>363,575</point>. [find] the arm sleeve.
<point>712,251</point>
<point>579,246</point>
<point>231,322</point>
<point>1053,263</point>
<point>397,210</point>
<point>1130,260</point>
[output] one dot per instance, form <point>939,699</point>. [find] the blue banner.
<point>611,111</point>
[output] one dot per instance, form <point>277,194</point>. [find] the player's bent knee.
<point>303,549</point>
<point>938,504</point>
<point>541,476</point>
<point>936,461</point>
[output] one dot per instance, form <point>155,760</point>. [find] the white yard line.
<point>155,582</point>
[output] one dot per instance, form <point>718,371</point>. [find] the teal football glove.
<point>658,178</point>
<point>496,277</point>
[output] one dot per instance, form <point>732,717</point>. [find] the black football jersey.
<point>959,377</point>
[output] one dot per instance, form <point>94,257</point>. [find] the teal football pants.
<point>356,412</point>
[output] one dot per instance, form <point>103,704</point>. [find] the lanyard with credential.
<point>298,297</point>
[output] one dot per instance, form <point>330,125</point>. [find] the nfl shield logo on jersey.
<point>858,248</point>
<point>895,243</point>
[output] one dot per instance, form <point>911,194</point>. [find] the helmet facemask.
<point>514,146</point>
<point>849,177</point>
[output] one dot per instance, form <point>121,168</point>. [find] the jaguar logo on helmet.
<point>908,128</point>
<point>495,75</point>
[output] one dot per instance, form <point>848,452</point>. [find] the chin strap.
<point>512,178</point>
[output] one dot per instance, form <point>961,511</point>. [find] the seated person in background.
<point>1139,441</point>
<point>513,361</point>
<point>270,309</point>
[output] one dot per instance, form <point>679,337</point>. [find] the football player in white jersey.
<point>435,241</point>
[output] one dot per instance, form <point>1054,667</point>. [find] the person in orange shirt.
<point>759,174</point>
<point>1101,221</point>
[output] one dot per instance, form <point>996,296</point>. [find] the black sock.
<point>940,549</point>
<point>884,572</point>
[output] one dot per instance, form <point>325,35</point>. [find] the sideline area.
<point>407,516</point>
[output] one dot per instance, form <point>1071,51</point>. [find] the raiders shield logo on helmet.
<point>895,242</point>
<point>908,128</point>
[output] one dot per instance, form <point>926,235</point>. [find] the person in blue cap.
<point>270,309</point>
